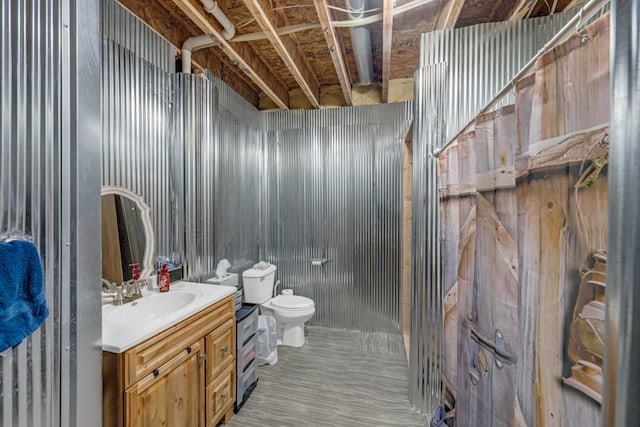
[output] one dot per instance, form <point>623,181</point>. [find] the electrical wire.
<point>341,9</point>
<point>260,35</point>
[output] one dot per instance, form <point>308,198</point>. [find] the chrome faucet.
<point>126,291</point>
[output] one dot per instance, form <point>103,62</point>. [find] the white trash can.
<point>267,345</point>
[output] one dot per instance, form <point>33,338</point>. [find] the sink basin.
<point>150,307</point>
<point>124,326</point>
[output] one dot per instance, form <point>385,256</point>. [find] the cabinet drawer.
<point>220,349</point>
<point>247,328</point>
<point>220,396</point>
<point>246,355</point>
<point>144,358</point>
<point>244,383</point>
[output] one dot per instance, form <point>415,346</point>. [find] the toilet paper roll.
<point>287,292</point>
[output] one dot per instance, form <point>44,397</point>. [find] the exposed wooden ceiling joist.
<point>449,14</point>
<point>287,50</point>
<point>387,34</point>
<point>574,3</point>
<point>240,54</point>
<point>334,48</point>
<point>520,10</point>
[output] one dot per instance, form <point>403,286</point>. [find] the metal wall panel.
<point>427,320</point>
<point>124,28</point>
<point>138,150</point>
<point>621,392</point>
<point>482,59</point>
<point>333,189</point>
<point>223,158</point>
<point>49,144</point>
<point>31,197</point>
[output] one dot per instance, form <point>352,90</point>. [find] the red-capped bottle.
<point>135,273</point>
<point>163,278</point>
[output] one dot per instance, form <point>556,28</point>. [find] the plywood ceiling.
<point>314,66</point>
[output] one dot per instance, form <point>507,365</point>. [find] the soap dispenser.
<point>135,273</point>
<point>163,278</point>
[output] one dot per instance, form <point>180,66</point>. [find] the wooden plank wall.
<point>516,233</point>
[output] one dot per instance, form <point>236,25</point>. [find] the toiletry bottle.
<point>135,274</point>
<point>163,278</point>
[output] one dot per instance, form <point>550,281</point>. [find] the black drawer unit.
<point>246,353</point>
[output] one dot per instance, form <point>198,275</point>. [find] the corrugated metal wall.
<point>232,175</point>
<point>429,129</point>
<point>139,151</point>
<point>333,190</point>
<point>49,185</point>
<point>126,30</point>
<point>190,146</point>
<point>223,153</point>
<point>482,59</point>
<point>621,375</point>
<point>30,196</point>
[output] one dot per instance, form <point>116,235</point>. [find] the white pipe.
<point>200,42</point>
<point>212,7</point>
<point>361,43</point>
<point>193,44</point>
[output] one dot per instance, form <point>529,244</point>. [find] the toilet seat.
<point>292,302</point>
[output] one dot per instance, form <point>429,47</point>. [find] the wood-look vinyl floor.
<point>339,378</point>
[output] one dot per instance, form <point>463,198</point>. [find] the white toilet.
<point>291,311</point>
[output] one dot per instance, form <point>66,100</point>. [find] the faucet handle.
<point>138,285</point>
<point>119,298</point>
<point>111,287</point>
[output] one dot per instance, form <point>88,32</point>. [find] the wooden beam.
<point>449,14</point>
<point>563,151</point>
<point>520,10</point>
<point>573,3</point>
<point>287,50</point>
<point>387,35</point>
<point>334,48</point>
<point>240,54</point>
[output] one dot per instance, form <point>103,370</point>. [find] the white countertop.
<point>129,324</point>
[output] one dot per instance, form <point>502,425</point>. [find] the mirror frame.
<point>145,216</point>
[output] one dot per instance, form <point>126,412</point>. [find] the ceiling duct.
<point>361,42</point>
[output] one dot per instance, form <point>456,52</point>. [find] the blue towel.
<point>23,305</point>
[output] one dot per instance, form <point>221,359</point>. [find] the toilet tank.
<point>258,284</point>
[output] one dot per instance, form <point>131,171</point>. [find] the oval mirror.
<point>127,235</point>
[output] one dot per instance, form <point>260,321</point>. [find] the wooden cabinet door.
<point>220,396</point>
<point>172,395</point>
<point>221,349</point>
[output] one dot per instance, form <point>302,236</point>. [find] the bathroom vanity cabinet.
<point>183,376</point>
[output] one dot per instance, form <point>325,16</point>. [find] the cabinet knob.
<point>225,394</point>
<point>188,350</point>
<point>203,356</point>
<point>156,373</point>
<point>224,348</point>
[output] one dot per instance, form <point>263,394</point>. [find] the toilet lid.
<point>292,302</point>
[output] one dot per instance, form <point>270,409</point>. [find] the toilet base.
<point>290,324</point>
<point>292,335</point>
